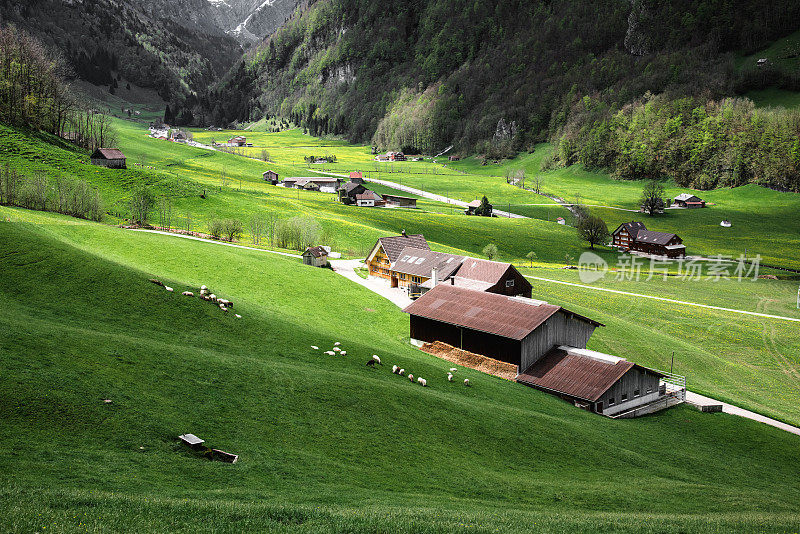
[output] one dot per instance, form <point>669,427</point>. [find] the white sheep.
<point>466,381</point>
<point>212,297</point>
<point>330,353</point>
<point>169,289</point>
<point>453,369</point>
<point>337,349</point>
<point>314,347</point>
<point>203,288</point>
<point>377,360</point>
<point>449,377</point>
<point>410,377</point>
<point>187,294</point>
<point>343,353</point>
<point>401,372</point>
<point>422,382</point>
<point>223,308</point>
<point>336,344</point>
<point>238,316</point>
<point>394,369</point>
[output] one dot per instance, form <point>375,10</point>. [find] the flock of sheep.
<point>205,294</point>
<point>375,360</point>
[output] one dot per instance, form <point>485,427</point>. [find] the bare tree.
<point>139,205</point>
<point>256,227</point>
<point>165,212</point>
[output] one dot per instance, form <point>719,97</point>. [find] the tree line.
<point>33,94</point>
<point>61,195</point>
<point>699,144</point>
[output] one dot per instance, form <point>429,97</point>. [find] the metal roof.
<point>509,317</point>
<point>317,252</point>
<point>651,236</point>
<point>108,153</point>
<point>686,197</point>
<point>483,270</point>
<point>421,262</point>
<point>394,245</point>
<point>577,373</point>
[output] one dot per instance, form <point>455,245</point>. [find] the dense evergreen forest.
<point>495,77</point>
<point>104,41</point>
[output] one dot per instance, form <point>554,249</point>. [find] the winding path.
<point>424,194</point>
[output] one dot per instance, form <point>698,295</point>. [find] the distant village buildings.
<point>323,183</point>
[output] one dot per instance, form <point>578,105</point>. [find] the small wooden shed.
<point>271,177</point>
<point>315,256</point>
<point>112,158</point>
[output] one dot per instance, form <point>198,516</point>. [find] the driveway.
<point>700,400</point>
<point>347,268</point>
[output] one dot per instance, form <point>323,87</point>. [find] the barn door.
<point>598,407</point>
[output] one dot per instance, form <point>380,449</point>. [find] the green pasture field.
<point>327,444</point>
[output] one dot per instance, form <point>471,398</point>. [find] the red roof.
<point>356,174</point>
<point>509,317</point>
<point>577,375</point>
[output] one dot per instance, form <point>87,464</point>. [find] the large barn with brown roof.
<point>547,344</point>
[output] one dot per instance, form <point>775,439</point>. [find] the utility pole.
<point>672,363</point>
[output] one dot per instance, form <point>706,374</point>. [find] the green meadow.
<point>325,443</point>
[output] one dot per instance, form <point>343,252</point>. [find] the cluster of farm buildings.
<point>485,308</point>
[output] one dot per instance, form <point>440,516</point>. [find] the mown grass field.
<point>326,444</point>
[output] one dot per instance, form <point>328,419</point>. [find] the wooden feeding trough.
<point>223,456</point>
<point>192,441</point>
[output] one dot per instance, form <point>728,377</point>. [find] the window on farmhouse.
<point>649,390</point>
<point>509,283</point>
<point>611,401</point>
<point>624,397</point>
<point>636,392</point>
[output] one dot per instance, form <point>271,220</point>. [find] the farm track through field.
<point>664,299</point>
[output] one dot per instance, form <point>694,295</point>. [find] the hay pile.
<point>471,360</point>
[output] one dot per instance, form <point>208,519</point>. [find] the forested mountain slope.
<point>173,47</point>
<point>422,74</point>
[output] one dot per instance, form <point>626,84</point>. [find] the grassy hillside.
<point>326,444</point>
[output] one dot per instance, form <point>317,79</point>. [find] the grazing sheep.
<point>394,369</point>
<point>187,294</point>
<point>212,297</point>
<point>336,344</point>
<point>466,381</point>
<point>422,382</point>
<point>337,349</point>
<point>203,288</point>
<point>223,308</point>
<point>157,282</point>
<point>169,289</point>
<point>238,316</point>
<point>343,353</point>
<point>330,353</point>
<point>204,292</point>
<point>377,360</point>
<point>411,377</point>
<point>453,369</point>
<point>314,347</point>
<point>449,377</point>
<point>401,372</point>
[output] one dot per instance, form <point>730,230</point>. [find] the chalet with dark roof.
<point>111,158</point>
<point>634,236</point>
<point>688,200</point>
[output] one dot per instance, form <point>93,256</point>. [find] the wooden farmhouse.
<point>349,191</point>
<point>636,237</point>
<point>473,206</point>
<point>237,141</point>
<point>109,157</point>
<point>547,344</point>
<point>271,177</point>
<point>407,261</point>
<point>357,177</point>
<point>315,256</point>
<point>688,200</point>
<point>400,201</point>
<point>324,184</point>
<point>369,199</point>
